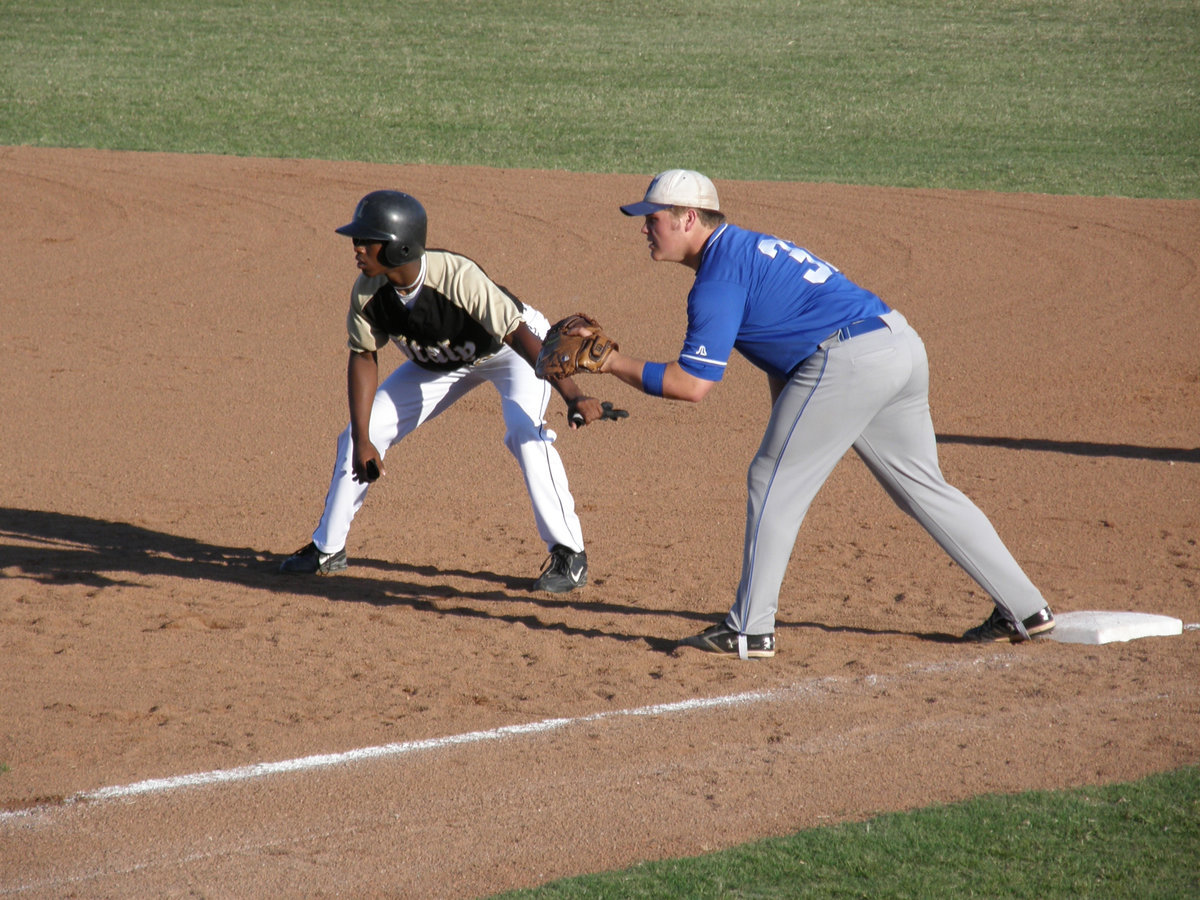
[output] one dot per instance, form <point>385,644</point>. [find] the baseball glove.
<point>564,354</point>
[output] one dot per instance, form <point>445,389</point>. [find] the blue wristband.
<point>652,378</point>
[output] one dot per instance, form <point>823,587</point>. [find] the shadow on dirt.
<point>1077,448</point>
<point>57,548</point>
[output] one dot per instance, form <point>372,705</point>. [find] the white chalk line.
<point>329,760</point>
<point>824,684</point>
<point>403,748</point>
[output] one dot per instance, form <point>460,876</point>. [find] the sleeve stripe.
<point>703,360</point>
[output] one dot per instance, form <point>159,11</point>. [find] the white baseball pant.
<point>412,395</point>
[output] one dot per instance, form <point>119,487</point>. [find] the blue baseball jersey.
<point>770,300</point>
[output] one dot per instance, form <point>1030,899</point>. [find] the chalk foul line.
<point>332,760</point>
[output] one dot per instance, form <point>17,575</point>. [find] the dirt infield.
<point>173,381</point>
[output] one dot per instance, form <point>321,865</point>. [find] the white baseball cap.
<point>676,187</point>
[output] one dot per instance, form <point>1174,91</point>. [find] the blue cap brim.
<point>643,209</point>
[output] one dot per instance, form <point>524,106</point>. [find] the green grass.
<point>1074,96</point>
<point>1139,841</point>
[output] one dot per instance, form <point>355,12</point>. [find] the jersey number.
<point>817,271</point>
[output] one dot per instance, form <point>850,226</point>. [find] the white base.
<point>1103,627</point>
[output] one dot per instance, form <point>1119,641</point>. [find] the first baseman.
<point>845,370</point>
<point>459,329</point>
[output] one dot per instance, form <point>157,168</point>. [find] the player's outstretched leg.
<point>900,449</point>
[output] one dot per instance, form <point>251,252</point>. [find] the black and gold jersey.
<point>456,317</point>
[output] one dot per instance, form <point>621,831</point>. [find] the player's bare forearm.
<point>362,380</point>
<point>526,344</point>
<point>677,384</point>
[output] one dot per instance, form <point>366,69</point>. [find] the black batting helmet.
<point>394,218</point>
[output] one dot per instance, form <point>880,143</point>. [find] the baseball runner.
<point>844,369</point>
<point>459,329</point>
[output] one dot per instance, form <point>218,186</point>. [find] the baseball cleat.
<point>997,629</point>
<point>724,641</point>
<point>564,571</point>
<point>308,560</point>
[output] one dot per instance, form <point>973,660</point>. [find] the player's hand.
<point>607,411</point>
<point>583,411</point>
<point>367,467</point>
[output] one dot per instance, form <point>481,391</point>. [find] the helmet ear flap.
<point>394,253</point>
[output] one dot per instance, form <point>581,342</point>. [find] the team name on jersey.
<point>442,354</point>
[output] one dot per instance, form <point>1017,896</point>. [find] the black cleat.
<point>997,629</point>
<point>308,560</point>
<point>724,641</point>
<point>564,571</point>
